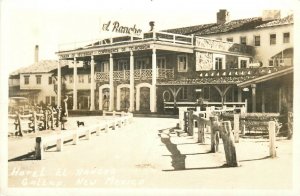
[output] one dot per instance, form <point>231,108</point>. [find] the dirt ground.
<point>144,154</point>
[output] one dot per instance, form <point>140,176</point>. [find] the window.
<point>243,64</point>
<point>80,79</point>
<point>89,78</point>
<point>229,39</point>
<point>47,100</point>
<point>53,100</point>
<point>104,66</point>
<point>122,65</point>
<point>271,63</point>
<point>161,62</point>
<point>141,63</point>
<point>71,79</point>
<point>26,80</point>
<point>218,63</point>
<point>206,93</point>
<point>50,80</point>
<point>272,39</point>
<point>182,63</point>
<point>286,37</point>
<point>183,93</point>
<point>257,40</point>
<point>38,79</point>
<point>243,40</point>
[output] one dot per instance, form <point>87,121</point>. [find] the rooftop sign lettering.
<point>117,28</point>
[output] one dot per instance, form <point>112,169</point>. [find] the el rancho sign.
<point>117,28</point>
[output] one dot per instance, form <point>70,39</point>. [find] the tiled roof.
<point>282,21</point>
<point>232,26</point>
<point>43,66</point>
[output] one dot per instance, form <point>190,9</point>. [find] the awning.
<point>266,77</point>
<point>23,93</point>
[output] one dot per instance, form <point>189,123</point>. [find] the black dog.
<point>80,123</point>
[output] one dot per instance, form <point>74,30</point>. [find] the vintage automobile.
<point>18,104</point>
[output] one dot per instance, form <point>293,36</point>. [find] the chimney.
<point>271,15</point>
<point>151,23</point>
<point>36,54</point>
<point>223,16</point>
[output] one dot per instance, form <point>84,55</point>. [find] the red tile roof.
<point>232,26</point>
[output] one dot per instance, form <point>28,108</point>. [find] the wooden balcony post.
<point>75,80</point>
<point>131,83</point>
<point>111,83</point>
<point>58,83</point>
<point>92,83</point>
<point>153,88</point>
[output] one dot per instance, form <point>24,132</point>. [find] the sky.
<point>53,23</point>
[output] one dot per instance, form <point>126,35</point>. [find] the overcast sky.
<point>50,23</point>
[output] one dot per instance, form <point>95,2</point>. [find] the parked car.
<point>20,104</point>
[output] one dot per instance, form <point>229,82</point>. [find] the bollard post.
<point>98,129</point>
<point>114,113</point>
<point>59,144</point>
<point>236,127</point>
<point>228,143</point>
<point>88,134</point>
<point>114,127</point>
<point>75,138</point>
<point>106,128</point>
<point>104,113</point>
<point>46,119</point>
<point>272,138</point>
<point>39,151</point>
<point>201,136</point>
<point>181,116</point>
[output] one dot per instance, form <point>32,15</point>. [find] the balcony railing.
<point>139,74</point>
<point>240,72</point>
<point>160,36</point>
<point>212,44</point>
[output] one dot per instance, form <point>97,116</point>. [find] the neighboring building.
<point>35,82</point>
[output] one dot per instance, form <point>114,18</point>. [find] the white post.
<point>92,83</point>
<point>59,144</point>
<point>153,88</point>
<point>111,83</point>
<point>75,80</point>
<point>75,138</point>
<point>88,134</point>
<point>131,81</point>
<point>59,83</point>
<point>236,127</point>
<point>181,116</point>
<point>272,138</point>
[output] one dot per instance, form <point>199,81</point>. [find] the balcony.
<point>240,72</point>
<point>139,74</point>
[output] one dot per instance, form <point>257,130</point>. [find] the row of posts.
<point>206,119</point>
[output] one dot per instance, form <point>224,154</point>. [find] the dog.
<point>80,123</point>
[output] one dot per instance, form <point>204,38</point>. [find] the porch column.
<point>263,108</point>
<point>131,82</point>
<point>111,83</point>
<point>253,87</point>
<point>153,89</point>
<point>239,95</point>
<point>58,83</point>
<point>279,99</point>
<point>92,83</point>
<point>75,80</point>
